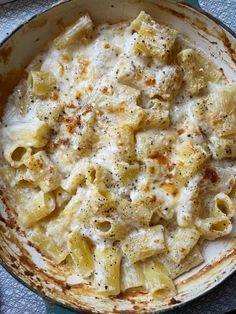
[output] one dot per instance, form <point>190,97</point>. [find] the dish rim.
<point>50,302</point>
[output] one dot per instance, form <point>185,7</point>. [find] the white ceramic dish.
<point>16,51</point>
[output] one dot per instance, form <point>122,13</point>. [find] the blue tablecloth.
<point>15,298</point>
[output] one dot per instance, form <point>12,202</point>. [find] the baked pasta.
<point>118,154</point>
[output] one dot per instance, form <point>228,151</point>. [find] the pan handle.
<point>56,309</point>
<point>195,3</point>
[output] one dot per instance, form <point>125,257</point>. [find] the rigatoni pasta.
<point>48,245</point>
<point>132,276</point>
<point>41,83</point>
<point>28,133</point>
<point>191,260</point>
<point>153,39</point>
<point>144,243</point>
<point>157,279</point>
<point>177,248</point>
<point>107,270</point>
<point>34,208</point>
<point>43,171</point>
<point>81,29</point>
<point>81,254</point>
<point>16,153</point>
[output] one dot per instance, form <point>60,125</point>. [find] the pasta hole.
<point>223,207</point>
<point>18,153</point>
<point>161,293</point>
<point>92,174</point>
<point>103,226</point>
<point>154,220</point>
<point>25,184</point>
<point>220,226</point>
<point>232,194</point>
<point>31,80</point>
<point>49,201</point>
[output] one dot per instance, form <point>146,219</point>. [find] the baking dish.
<point>209,35</point>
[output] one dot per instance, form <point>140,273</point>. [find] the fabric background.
<point>14,297</point>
